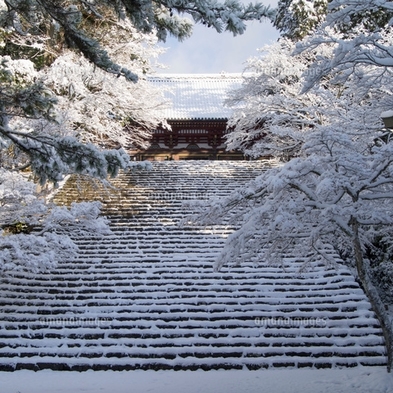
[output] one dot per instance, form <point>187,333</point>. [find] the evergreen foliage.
<point>296,19</point>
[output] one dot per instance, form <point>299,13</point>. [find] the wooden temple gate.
<point>197,116</point>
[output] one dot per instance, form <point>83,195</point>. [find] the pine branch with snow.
<point>359,33</point>
<point>296,19</point>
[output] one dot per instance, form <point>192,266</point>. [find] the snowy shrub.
<point>35,235</point>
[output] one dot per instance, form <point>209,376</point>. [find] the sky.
<point>207,51</point>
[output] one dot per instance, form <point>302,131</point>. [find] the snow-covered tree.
<point>364,39</point>
<point>296,19</point>
<point>271,117</point>
<point>342,167</point>
<point>35,235</point>
<point>27,107</point>
<point>347,16</point>
<point>100,108</point>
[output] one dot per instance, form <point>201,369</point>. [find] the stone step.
<point>146,296</point>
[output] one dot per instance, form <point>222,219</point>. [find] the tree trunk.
<point>371,292</point>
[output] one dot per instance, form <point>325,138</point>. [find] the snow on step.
<point>146,296</point>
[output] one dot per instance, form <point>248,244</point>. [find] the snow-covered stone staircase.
<point>146,297</point>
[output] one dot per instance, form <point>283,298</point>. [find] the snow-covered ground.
<point>356,380</point>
